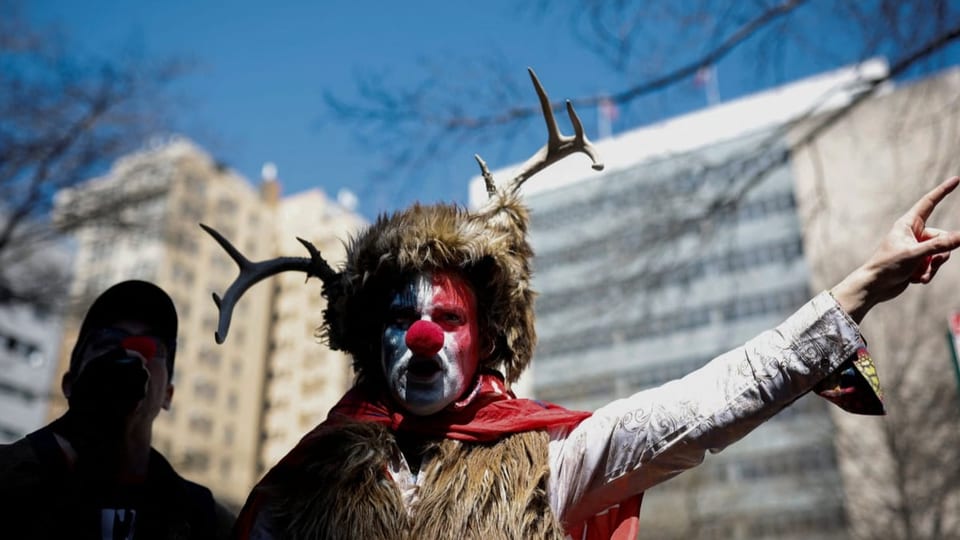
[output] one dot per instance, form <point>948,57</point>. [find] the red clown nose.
<point>424,338</point>
<point>142,344</point>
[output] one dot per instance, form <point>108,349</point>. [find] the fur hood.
<point>489,247</point>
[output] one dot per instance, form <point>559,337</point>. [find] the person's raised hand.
<point>911,252</point>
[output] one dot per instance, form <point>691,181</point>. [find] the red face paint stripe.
<point>452,294</point>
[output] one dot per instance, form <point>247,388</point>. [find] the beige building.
<point>901,472</point>
<point>306,378</point>
<point>226,399</point>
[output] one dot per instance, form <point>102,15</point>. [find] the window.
<point>226,207</point>
<point>181,274</point>
<point>221,261</point>
<point>183,308</point>
<point>313,385</point>
<point>793,462</point>
<point>200,425</point>
<point>195,460</point>
<point>23,351</point>
<point>183,242</point>
<point>181,342</point>
<point>209,357</point>
<point>210,320</point>
<point>35,358</point>
<point>205,390</point>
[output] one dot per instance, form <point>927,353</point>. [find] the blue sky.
<point>256,93</point>
<point>262,69</point>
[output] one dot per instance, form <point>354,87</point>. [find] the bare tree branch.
<point>387,103</point>
<point>407,127</point>
<point>62,119</point>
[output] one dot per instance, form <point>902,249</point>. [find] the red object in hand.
<point>424,338</point>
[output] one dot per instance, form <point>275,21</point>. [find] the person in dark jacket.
<point>92,473</point>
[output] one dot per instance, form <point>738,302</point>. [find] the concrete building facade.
<point>861,173</point>
<point>671,256</point>
<point>28,359</point>
<point>30,332</point>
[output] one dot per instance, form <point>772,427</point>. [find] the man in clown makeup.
<point>434,306</point>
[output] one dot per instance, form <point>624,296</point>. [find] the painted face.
<point>430,345</point>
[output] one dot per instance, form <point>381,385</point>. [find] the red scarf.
<point>487,413</point>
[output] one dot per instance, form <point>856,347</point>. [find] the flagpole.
<point>604,120</point>
<point>713,86</point>
<point>706,77</point>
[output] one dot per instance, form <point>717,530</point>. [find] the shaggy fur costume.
<point>481,491</point>
<point>488,246</point>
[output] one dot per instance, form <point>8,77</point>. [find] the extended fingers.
<point>935,241</point>
<point>924,207</point>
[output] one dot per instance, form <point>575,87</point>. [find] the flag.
<point>609,109</point>
<point>954,342</point>
<point>703,76</point>
<point>706,78</point>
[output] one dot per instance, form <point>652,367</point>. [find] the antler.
<point>558,145</point>
<point>253,272</point>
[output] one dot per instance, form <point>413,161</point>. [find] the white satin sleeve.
<point>634,443</point>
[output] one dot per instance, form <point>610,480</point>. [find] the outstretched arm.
<point>637,442</point>
<point>912,252</point>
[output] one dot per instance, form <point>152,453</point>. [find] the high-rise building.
<point>305,378</point>
<point>29,340</point>
<point>674,254</point>
<point>216,431</point>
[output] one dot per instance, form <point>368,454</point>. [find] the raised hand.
<point>911,252</point>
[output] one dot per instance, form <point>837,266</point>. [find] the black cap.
<point>132,300</point>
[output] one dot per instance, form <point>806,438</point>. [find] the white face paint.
<point>430,344</point>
